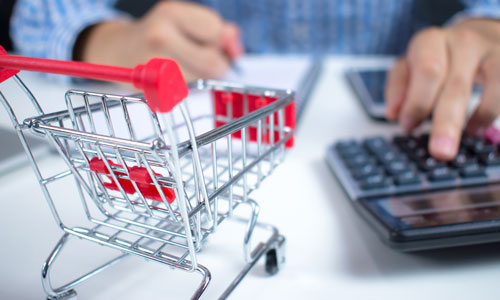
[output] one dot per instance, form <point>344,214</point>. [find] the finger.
<point>395,88</point>
<point>203,61</point>
<point>196,21</point>
<point>489,106</point>
<point>231,41</point>
<point>450,110</point>
<point>427,62</point>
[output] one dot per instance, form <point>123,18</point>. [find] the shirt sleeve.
<point>49,28</point>
<point>478,9</point>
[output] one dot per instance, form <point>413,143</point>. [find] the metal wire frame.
<point>198,158</point>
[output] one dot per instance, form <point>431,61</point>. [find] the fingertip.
<point>390,113</point>
<point>443,147</point>
<point>231,41</point>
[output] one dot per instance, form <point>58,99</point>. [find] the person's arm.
<point>195,36</point>
<point>50,28</point>
<point>438,73</point>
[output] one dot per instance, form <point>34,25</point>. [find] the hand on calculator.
<point>437,76</point>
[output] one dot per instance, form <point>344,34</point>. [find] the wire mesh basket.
<point>158,183</point>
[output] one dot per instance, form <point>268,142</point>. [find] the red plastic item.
<point>139,175</point>
<point>221,98</point>
<point>160,79</point>
<point>492,134</point>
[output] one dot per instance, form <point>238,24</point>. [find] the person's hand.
<point>437,76</point>
<point>195,36</point>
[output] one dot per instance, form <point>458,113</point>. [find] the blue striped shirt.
<point>49,28</point>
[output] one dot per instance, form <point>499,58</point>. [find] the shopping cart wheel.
<point>272,262</point>
<point>68,295</point>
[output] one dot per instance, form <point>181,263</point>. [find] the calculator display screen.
<point>440,208</point>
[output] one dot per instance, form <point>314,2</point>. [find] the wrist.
<point>102,43</point>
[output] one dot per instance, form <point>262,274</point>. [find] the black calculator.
<point>416,202</point>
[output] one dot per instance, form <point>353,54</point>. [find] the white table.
<point>331,252</point>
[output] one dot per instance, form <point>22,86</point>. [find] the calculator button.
<point>469,141</point>
<point>346,144</point>
<point>491,159</point>
<point>375,181</point>
<point>351,151</point>
<point>462,160</point>
<point>358,161</point>
<point>474,170</point>
<point>365,171</point>
<point>482,147</point>
<point>407,178</point>
<point>430,163</point>
<point>441,173</point>
<point>419,153</point>
<point>407,144</point>
<point>389,156</point>
<point>397,167</point>
<point>377,145</point>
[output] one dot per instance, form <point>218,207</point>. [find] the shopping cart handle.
<point>160,79</point>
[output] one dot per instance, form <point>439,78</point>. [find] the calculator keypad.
<point>378,166</point>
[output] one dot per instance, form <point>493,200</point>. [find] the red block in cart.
<point>236,103</point>
<point>139,175</point>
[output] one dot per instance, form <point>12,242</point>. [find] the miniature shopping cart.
<point>155,176</point>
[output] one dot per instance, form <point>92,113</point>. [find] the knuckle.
<point>431,67</point>
<point>457,82</point>
<point>466,35</point>
<point>158,35</point>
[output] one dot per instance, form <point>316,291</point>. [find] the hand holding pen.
<point>204,45</point>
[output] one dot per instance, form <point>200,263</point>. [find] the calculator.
<point>415,202</point>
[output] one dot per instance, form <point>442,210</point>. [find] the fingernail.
<point>443,145</point>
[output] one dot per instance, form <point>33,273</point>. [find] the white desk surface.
<point>331,252</point>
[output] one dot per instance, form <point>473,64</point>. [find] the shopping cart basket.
<point>154,177</point>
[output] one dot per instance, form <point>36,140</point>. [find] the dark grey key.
<point>408,144</point>
<point>351,151</point>
<point>474,170</point>
<point>469,141</point>
<point>463,160</point>
<point>423,140</point>
<point>389,156</point>
<point>365,171</point>
<point>491,159</point>
<point>376,145</point>
<point>482,147</point>
<point>430,163</point>
<point>359,160</point>
<point>442,173</point>
<point>376,181</point>
<point>344,144</point>
<point>407,178</point>
<point>400,140</point>
<point>418,154</point>
<point>397,167</point>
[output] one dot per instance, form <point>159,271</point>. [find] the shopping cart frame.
<point>271,248</point>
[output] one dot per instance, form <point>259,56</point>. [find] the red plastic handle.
<point>160,79</point>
